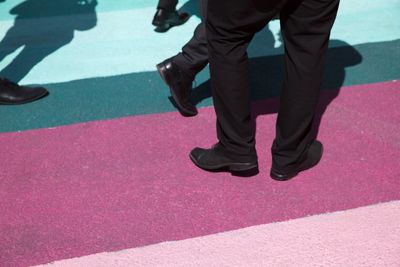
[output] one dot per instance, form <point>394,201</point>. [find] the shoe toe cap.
<point>197,153</point>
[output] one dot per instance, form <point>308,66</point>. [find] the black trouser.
<point>169,5</point>
<point>305,26</point>
<point>194,55</point>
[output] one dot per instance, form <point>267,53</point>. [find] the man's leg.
<point>230,27</point>
<point>194,55</point>
<point>306,27</point>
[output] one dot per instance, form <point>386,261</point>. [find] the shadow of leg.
<point>26,60</point>
<point>8,46</point>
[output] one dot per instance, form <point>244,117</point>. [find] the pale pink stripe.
<point>368,236</point>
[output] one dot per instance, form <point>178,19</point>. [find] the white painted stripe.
<point>368,236</point>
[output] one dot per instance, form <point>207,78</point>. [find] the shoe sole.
<point>290,176</point>
<point>181,109</point>
<point>232,167</point>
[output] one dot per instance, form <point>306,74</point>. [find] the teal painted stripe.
<point>144,93</point>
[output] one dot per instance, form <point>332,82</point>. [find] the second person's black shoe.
<point>180,86</point>
<point>311,158</point>
<point>164,19</point>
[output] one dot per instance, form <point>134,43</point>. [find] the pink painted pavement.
<point>124,183</point>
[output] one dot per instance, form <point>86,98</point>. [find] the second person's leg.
<point>306,27</point>
<point>180,70</point>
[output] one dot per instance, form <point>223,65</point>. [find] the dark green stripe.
<point>144,93</point>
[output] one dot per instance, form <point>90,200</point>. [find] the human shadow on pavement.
<point>41,27</point>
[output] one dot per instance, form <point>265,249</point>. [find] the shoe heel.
<point>161,70</point>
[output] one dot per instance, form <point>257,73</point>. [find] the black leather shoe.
<point>179,85</point>
<point>311,158</point>
<point>13,94</point>
<point>164,20</point>
<point>215,159</point>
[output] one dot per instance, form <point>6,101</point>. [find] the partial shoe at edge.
<point>214,159</point>
<point>179,85</point>
<point>14,94</point>
<point>312,158</point>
